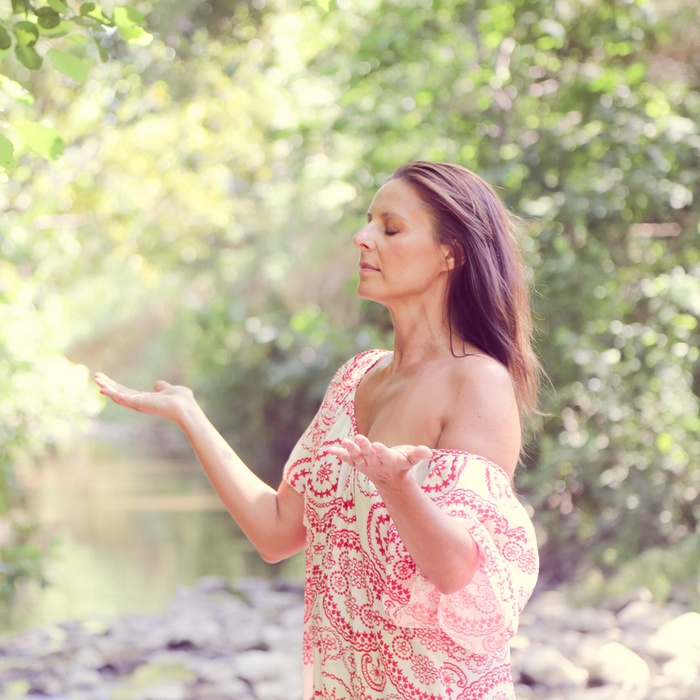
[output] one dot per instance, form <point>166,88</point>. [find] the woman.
<point>419,558</point>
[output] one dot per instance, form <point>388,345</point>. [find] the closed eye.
<point>390,233</point>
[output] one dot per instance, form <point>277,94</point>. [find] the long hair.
<point>488,301</point>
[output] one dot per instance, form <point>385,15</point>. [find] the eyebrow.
<point>388,213</point>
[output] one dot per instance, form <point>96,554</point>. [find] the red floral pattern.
<point>374,626</point>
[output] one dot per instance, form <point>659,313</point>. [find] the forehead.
<point>398,197</point>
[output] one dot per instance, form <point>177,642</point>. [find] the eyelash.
<point>390,233</point>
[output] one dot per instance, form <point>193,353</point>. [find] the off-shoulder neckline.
<point>440,450</point>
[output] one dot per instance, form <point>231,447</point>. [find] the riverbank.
<point>214,642</point>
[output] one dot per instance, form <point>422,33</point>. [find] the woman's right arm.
<point>272,520</point>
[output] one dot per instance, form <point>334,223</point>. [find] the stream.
<point>127,528</point>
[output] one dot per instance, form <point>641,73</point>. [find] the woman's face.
<point>400,258</point>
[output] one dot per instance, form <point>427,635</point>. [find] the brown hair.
<point>488,302</point>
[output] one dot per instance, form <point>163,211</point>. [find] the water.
<point>127,530</point>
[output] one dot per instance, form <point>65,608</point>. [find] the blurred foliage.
<point>42,395</point>
<point>198,224</point>
<point>69,39</point>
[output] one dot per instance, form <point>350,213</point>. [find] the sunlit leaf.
<point>15,90</point>
<point>635,73</point>
<point>48,17</point>
<point>59,6</point>
<point>664,442</point>
<point>20,7</point>
<point>43,140</point>
<point>89,9</point>
<point>125,16</point>
<point>5,39</point>
<point>135,35</point>
<point>7,153</point>
<point>68,64</point>
<point>28,56</point>
<point>27,33</point>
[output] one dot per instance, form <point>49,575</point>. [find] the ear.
<point>449,256</point>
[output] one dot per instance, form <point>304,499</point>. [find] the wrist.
<point>398,485</point>
<point>187,412</point>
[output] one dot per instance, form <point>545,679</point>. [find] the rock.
<point>214,644</point>
<point>549,606</point>
<point>617,665</point>
<point>643,616</point>
<point>603,693</point>
<point>683,671</point>
<point>679,637</point>
<point>547,666</point>
<point>590,620</point>
<point>256,666</point>
<point>277,690</point>
<point>233,690</point>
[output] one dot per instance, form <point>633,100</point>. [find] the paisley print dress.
<point>374,626</point>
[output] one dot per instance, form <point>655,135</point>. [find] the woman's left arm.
<point>482,418</point>
<point>441,547</point>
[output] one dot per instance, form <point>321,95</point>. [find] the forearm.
<point>441,546</point>
<point>273,525</point>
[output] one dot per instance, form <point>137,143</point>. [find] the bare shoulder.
<point>480,411</point>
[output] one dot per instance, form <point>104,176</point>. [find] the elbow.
<point>456,580</point>
<point>274,558</point>
<point>274,555</point>
<point>452,585</point>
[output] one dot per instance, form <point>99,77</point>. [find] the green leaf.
<point>68,64</point>
<point>28,57</point>
<point>664,442</point>
<point>26,32</point>
<point>5,39</point>
<point>102,50</point>
<point>7,153</point>
<point>324,4</point>
<point>59,6</point>
<point>61,29</point>
<point>20,7</point>
<point>635,73</point>
<point>43,140</point>
<point>15,90</point>
<point>135,35</point>
<point>128,17</point>
<point>89,9</point>
<point>48,18</point>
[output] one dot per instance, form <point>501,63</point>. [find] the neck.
<point>420,334</point>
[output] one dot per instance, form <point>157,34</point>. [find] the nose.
<point>363,238</point>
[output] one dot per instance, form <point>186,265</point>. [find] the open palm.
<point>167,400</point>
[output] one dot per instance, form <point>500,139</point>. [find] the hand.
<point>167,401</point>
<point>384,466</point>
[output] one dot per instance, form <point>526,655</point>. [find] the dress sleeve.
<point>483,616</point>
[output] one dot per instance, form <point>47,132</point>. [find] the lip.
<point>368,267</point>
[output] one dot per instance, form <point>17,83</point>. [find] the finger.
<point>365,446</point>
<point>381,451</point>
<point>108,384</point>
<point>415,453</point>
<point>340,452</point>
<point>161,385</point>
<point>352,448</point>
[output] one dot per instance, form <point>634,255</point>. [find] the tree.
<point>198,224</point>
<point>69,40</point>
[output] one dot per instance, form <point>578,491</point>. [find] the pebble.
<point>219,642</point>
